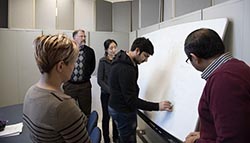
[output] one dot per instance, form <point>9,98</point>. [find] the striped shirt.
<point>215,64</point>
<point>53,117</point>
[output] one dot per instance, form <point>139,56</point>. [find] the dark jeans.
<point>126,124</point>
<point>106,118</point>
<point>81,93</point>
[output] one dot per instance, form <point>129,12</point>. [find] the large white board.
<point>166,76</point>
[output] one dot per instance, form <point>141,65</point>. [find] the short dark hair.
<point>144,45</point>
<point>204,43</point>
<point>76,31</point>
<point>107,43</point>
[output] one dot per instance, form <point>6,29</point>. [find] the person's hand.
<point>192,137</point>
<point>165,106</point>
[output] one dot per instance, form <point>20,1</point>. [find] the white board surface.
<point>166,76</point>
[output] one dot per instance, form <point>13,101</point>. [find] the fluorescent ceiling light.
<point>113,1</point>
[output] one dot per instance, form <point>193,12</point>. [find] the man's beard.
<point>136,61</point>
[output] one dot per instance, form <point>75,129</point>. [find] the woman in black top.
<point>102,79</point>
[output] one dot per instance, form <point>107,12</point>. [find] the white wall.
<point>45,14</point>
<point>150,12</point>
<point>186,6</point>
<point>21,14</point>
<point>103,15</point>
<point>190,17</point>
<point>41,14</point>
<point>76,14</point>
<point>84,15</point>
<point>135,15</point>
<point>18,68</point>
<point>65,14</point>
<point>147,12</point>
<point>121,13</point>
<point>148,29</point>
<point>234,11</point>
<point>168,10</point>
<point>219,1</point>
<point>246,31</point>
<point>132,37</point>
<point>66,32</point>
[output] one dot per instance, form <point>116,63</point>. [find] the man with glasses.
<point>224,107</point>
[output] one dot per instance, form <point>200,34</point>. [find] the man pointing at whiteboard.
<point>124,90</point>
<point>224,107</point>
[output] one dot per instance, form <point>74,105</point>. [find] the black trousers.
<point>105,120</point>
<point>81,93</point>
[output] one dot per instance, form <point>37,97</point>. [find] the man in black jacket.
<point>124,90</point>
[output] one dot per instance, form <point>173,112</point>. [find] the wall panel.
<point>233,10</point>
<point>65,14</point>
<point>18,67</point>
<point>45,14</point>
<point>20,14</point>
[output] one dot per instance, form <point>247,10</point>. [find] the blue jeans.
<point>126,124</point>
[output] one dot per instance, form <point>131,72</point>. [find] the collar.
<point>81,47</point>
<point>131,59</point>
<point>215,65</point>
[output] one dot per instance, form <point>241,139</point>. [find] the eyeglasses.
<point>188,59</point>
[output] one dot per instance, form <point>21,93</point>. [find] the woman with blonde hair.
<point>46,108</point>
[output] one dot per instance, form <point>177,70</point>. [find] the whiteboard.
<point>166,76</point>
